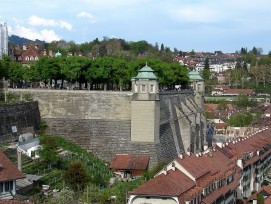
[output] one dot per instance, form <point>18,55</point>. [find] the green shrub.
<point>42,126</point>
<point>27,97</point>
<point>12,98</point>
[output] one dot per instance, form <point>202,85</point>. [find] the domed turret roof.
<point>194,76</point>
<point>145,73</point>
<point>58,54</point>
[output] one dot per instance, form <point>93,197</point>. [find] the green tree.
<point>243,51</point>
<point>243,101</point>
<point>241,119</point>
<point>120,73</point>
<point>206,74</point>
<point>16,72</point>
<point>48,150</point>
<point>192,52</point>
<point>162,48</point>
<point>76,177</point>
<point>5,65</point>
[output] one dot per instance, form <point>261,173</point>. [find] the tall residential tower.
<point>3,39</point>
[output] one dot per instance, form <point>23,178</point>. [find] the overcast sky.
<point>202,25</point>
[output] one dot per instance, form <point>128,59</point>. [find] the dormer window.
<point>36,58</point>
<point>31,58</point>
<point>27,58</point>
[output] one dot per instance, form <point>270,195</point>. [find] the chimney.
<point>36,46</point>
<point>188,151</point>
<point>173,166</point>
<point>19,159</point>
<point>165,170</point>
<point>24,47</point>
<point>205,147</point>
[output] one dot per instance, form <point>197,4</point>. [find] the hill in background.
<point>20,40</point>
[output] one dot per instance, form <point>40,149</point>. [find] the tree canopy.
<point>76,177</point>
<point>106,72</point>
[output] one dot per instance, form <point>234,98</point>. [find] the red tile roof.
<point>214,106</point>
<point>8,171</point>
<point>130,162</point>
<point>238,91</point>
<point>194,165</point>
<point>172,184</point>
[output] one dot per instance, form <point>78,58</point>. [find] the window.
<point>31,58</point>
<point>36,58</point>
<point>27,58</point>
<point>199,87</point>
<point>8,186</point>
<point>136,88</point>
<point>152,88</point>
<point>143,88</point>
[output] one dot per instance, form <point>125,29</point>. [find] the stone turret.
<point>145,106</point>
<point>197,83</point>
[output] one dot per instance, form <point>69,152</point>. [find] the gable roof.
<point>8,171</point>
<point>194,165</point>
<point>130,162</point>
<point>172,184</point>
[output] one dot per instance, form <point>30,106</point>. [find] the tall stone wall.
<point>182,124</point>
<point>24,116</point>
<point>101,122</point>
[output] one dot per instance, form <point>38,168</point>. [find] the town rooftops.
<point>130,162</point>
<point>8,171</point>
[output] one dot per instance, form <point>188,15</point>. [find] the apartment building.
<point>223,173</point>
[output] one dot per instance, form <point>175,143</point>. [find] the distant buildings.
<point>29,53</point>
<point>3,39</point>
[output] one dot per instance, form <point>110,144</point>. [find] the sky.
<point>199,25</point>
